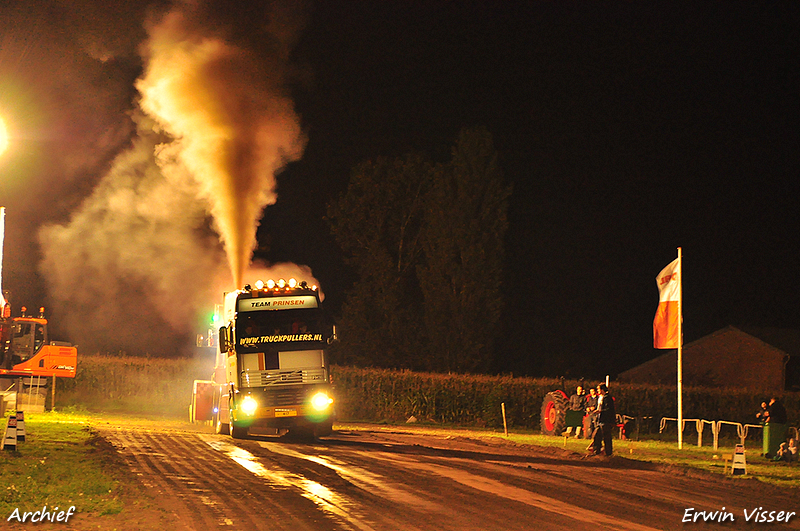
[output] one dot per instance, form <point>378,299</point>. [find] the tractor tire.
<point>554,412</point>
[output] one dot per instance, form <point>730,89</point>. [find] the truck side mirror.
<point>223,339</point>
<point>333,337</point>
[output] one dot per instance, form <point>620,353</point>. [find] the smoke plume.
<point>233,125</point>
<point>172,224</point>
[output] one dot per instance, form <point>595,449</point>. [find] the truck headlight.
<point>321,401</point>
<point>248,405</point>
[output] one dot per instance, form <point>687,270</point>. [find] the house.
<point>725,358</point>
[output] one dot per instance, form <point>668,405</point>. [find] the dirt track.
<point>379,479</point>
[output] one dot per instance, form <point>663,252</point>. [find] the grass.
<point>60,464</point>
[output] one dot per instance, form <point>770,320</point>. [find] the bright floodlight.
<point>3,136</point>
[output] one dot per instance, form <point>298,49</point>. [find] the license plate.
<point>285,412</point>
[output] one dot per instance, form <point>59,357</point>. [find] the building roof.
<point>726,358</point>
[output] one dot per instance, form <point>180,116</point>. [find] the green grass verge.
<point>60,464</point>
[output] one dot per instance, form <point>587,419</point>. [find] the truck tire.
<point>237,432</point>
<point>323,429</point>
<point>219,426</point>
<point>554,410</point>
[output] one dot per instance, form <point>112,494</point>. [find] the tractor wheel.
<point>554,410</point>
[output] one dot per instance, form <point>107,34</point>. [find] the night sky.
<point>627,130</point>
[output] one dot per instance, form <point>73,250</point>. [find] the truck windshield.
<point>279,328</point>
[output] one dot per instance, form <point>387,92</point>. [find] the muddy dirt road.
<point>384,480</point>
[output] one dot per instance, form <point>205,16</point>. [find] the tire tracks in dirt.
<point>203,489</point>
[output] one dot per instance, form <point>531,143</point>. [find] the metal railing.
<point>716,425</point>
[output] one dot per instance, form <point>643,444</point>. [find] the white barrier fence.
<point>716,425</point>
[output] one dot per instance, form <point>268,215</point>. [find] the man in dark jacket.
<point>777,413</point>
<point>606,420</point>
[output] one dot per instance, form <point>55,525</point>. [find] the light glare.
<point>249,405</point>
<point>3,136</point>
<point>321,401</point>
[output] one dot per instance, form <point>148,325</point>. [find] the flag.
<point>665,325</point>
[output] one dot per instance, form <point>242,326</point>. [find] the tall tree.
<point>465,225</point>
<point>377,223</point>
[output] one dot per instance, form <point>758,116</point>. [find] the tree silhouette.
<point>377,223</point>
<point>465,224</point>
<point>427,243</point>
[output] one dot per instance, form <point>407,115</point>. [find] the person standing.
<point>774,428</point>
<point>763,413</point>
<point>577,402</point>
<point>588,419</point>
<point>606,419</point>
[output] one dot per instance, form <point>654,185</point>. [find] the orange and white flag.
<point>665,325</point>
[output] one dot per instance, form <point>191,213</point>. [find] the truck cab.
<point>25,349</point>
<point>272,371</point>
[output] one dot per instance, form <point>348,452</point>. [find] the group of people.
<point>599,419</point>
<point>774,413</point>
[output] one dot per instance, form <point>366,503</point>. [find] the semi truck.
<point>272,374</point>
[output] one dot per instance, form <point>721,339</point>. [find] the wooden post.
<point>53,398</point>
<point>505,425</point>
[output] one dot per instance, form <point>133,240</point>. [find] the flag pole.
<point>2,243</point>
<point>680,349</point>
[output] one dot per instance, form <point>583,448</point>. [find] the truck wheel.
<point>237,432</point>
<point>323,429</point>
<point>219,426</point>
<point>554,410</point>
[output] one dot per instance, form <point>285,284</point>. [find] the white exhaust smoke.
<point>233,124</point>
<point>172,224</point>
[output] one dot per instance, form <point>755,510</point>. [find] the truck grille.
<point>280,397</point>
<point>252,379</point>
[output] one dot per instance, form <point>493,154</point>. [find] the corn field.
<point>155,385</point>
<point>133,384</point>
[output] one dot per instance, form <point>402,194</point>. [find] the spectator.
<point>776,412</point>
<point>577,402</point>
<point>763,413</point>
<point>588,419</point>
<point>774,428</point>
<point>787,452</point>
<point>606,420</point>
